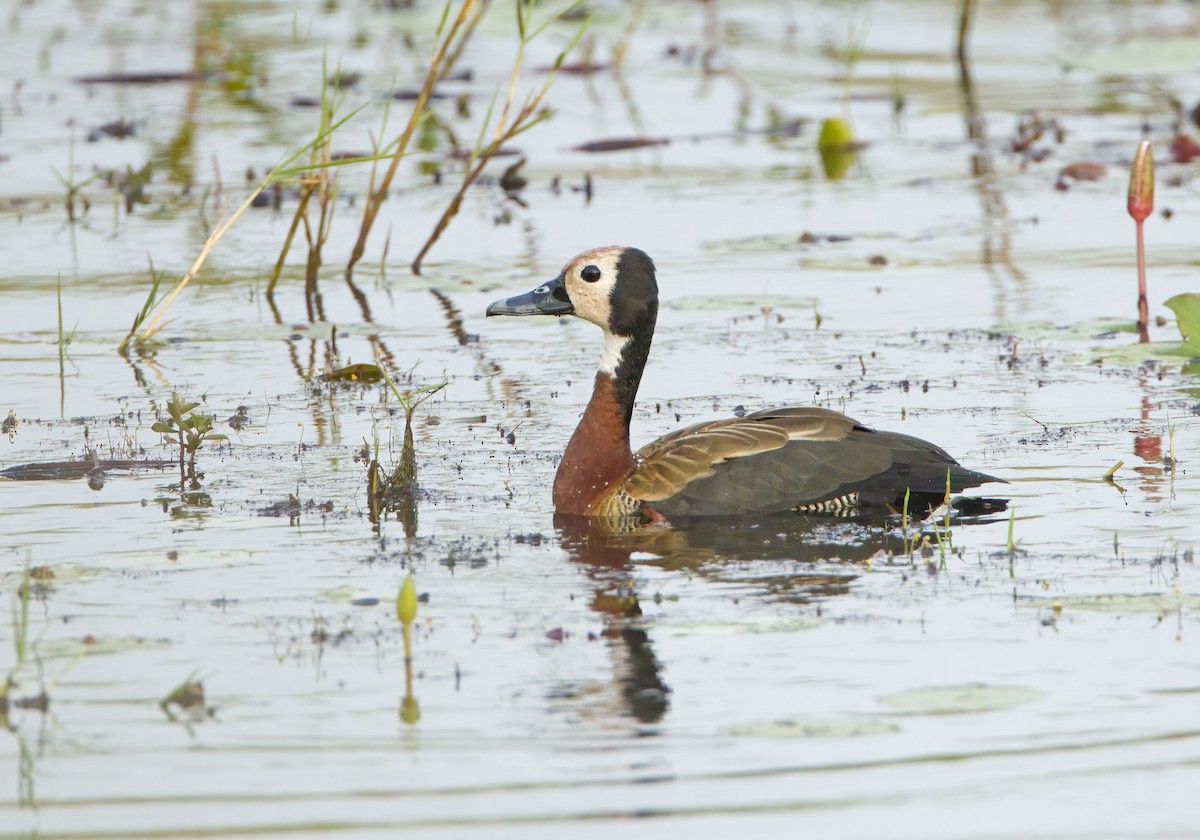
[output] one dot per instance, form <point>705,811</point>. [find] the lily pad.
<point>1089,329</point>
<point>961,699</point>
<point>1187,311</point>
<point>342,594</point>
<point>763,624</point>
<point>1141,56</point>
<point>725,303</point>
<point>96,646</point>
<point>63,573</point>
<point>814,728</point>
<point>1135,354</point>
<point>1151,603</point>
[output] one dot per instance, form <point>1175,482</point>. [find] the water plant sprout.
<point>406,611</point>
<point>190,429</point>
<point>1141,205</point>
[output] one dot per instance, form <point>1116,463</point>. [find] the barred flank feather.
<point>844,505</point>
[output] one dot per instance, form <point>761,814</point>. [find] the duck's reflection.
<point>818,557</point>
<point>606,553</point>
<point>700,545</point>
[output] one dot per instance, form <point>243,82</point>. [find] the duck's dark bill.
<point>548,299</point>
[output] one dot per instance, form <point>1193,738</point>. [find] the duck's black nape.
<point>634,299</point>
<point>633,308</point>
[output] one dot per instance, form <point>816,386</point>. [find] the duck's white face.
<point>624,307</point>
<point>590,278</point>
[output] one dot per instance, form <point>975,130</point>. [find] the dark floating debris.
<point>118,129</point>
<point>1184,149</point>
<point>1031,128</point>
<point>148,77</point>
<point>407,95</point>
<point>1082,171</point>
<point>512,180</point>
<point>272,198</point>
<point>577,68</point>
<point>810,238</point>
<point>344,79</point>
<point>185,704</point>
<point>239,419</point>
<point>787,128</point>
<point>465,154</point>
<point>84,468</point>
<point>289,508</point>
<point>620,144</point>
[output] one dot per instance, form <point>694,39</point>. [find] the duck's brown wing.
<point>784,459</point>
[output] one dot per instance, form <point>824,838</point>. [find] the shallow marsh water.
<point>700,681</point>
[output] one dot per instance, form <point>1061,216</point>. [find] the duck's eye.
<point>590,273</point>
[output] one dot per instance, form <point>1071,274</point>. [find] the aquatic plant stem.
<point>278,174</point>
<point>210,243</point>
<point>964,31</point>
<point>182,474</point>
<point>527,117</point>
<point>1143,305</point>
<point>376,199</point>
<point>975,126</point>
<point>62,367</point>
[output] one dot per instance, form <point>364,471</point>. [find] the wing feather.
<point>672,464</point>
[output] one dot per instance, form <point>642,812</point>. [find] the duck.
<point>793,459</point>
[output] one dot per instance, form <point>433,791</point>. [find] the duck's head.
<point>613,287</point>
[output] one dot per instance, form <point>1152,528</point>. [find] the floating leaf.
<point>70,648</point>
<point>1187,311</point>
<point>961,699</point>
<point>814,728</point>
<point>1150,603</point>
<point>365,373</point>
<point>342,594</point>
<point>1136,354</point>
<point>733,303</point>
<point>1155,54</point>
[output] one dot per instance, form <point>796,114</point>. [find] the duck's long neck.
<point>598,454</point>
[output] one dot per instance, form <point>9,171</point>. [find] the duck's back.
<point>800,458</point>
